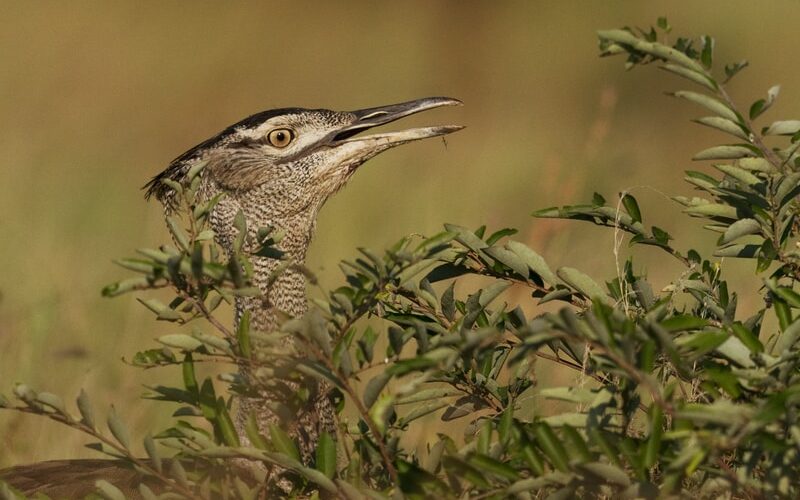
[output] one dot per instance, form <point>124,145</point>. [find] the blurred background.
<point>97,97</point>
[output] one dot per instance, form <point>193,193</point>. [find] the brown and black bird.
<point>278,168</point>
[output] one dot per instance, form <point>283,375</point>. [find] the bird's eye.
<point>280,137</point>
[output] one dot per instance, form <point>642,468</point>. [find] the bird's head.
<point>289,161</point>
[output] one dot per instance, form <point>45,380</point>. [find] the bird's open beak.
<point>372,117</point>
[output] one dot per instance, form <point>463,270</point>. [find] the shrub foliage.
<point>681,393</point>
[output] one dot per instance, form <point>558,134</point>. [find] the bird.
<point>277,168</point>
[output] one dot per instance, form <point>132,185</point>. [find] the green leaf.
<point>225,423</point>
<point>448,302</point>
<point>582,283</point>
<point>180,236</point>
<point>466,471</point>
<point>580,395</point>
<point>189,379</point>
<point>741,227</point>
<point>243,335</point>
<point>532,458</point>
<point>740,175</point>
<point>85,409</point>
<point>787,294</point>
<point>691,75</point>
<point>466,237</point>
<point>208,400</point>
<point>713,210</point>
<point>283,443</point>
<point>318,331</point>
<point>654,49</point>
<point>533,260</point>
<point>563,293</point>
<point>484,437</point>
<point>632,207</point>
<point>118,429</point>
<point>413,270</point>
<point>178,472</point>
<point>52,401</point>
<point>421,410</point>
<point>684,322</point>
<point>108,490</point>
<point>747,251</point>
<point>788,338</point>
<point>379,412</point>
<point>493,291</point>
<point>492,466</point>
<point>735,350</point>
<point>254,433</point>
<point>756,165</point>
<point>498,235</point>
<point>196,169</point>
<point>761,105</point>
<point>724,153</point>
<point>428,394</point>
<point>788,186</point>
<point>180,341</point>
<point>707,53</point>
<point>348,491</point>
<point>150,448</point>
<point>163,312</point>
<point>598,200</point>
<point>704,341</point>
<point>374,388</point>
<point>551,446</point>
<point>783,313</point>
<point>240,224</point>
<point>724,125</point>
<point>609,473</point>
<point>146,492</point>
<point>603,441</point>
<point>576,446</point>
<point>652,448</point>
<point>732,69</point>
<point>326,455</point>
<point>462,407</point>
<point>505,424</point>
<point>785,127</point>
<point>714,105</point>
<point>137,265</point>
<point>317,478</point>
<point>508,259</point>
<point>748,338</point>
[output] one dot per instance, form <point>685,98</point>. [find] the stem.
<point>200,306</point>
<point>776,162</point>
<point>757,140</point>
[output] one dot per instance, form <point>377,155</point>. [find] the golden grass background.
<point>96,97</point>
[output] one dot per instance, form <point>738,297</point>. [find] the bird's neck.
<point>282,283</point>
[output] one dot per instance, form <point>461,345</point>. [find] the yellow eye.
<point>280,137</point>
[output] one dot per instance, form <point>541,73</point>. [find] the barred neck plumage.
<point>283,294</point>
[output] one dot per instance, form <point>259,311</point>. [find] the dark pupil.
<point>280,136</point>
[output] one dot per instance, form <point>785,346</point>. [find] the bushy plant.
<point>683,396</point>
